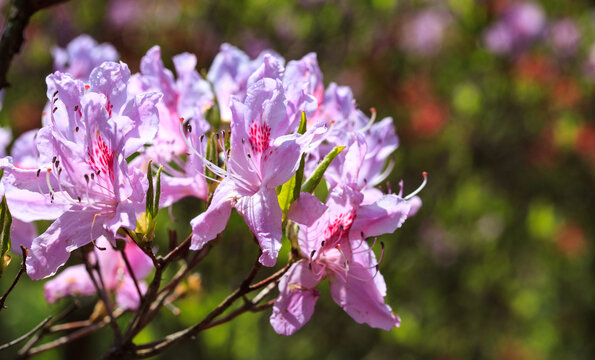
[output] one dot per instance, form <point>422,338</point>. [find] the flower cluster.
<point>235,137</point>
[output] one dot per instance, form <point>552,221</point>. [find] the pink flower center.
<point>101,157</point>
<point>259,137</point>
<point>109,106</point>
<point>341,223</point>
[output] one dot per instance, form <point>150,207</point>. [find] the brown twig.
<point>183,246</point>
<point>131,272</point>
<point>103,296</point>
<point>166,291</point>
<point>16,279</point>
<point>66,339</point>
<point>69,326</point>
<point>156,347</point>
<point>28,334</point>
<point>24,352</point>
<point>13,37</point>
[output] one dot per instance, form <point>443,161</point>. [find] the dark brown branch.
<point>13,37</point>
<point>16,279</point>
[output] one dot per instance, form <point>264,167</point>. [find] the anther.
<point>76,129</point>
<point>92,176</point>
<point>55,93</point>
<point>420,188</point>
<point>57,163</point>
<point>76,107</point>
<point>38,171</point>
<point>312,254</point>
<point>53,159</point>
<point>53,111</point>
<point>87,178</point>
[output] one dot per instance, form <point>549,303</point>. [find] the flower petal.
<point>110,79</point>
<point>126,294</point>
<point>209,224</point>
<point>262,213</point>
<point>295,305</point>
<point>382,217</point>
<point>306,209</point>
<point>362,298</point>
<point>280,163</point>
<point>51,249</point>
<point>74,280</point>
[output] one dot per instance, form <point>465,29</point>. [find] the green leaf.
<point>303,123</point>
<point>311,184</point>
<point>212,157</point>
<point>5,222</point>
<point>290,191</point>
<point>150,191</point>
<point>157,192</point>
<point>285,196</point>
<point>299,178</point>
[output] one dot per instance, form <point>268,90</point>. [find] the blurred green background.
<point>498,263</point>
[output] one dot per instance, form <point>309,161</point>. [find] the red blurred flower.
<point>571,240</point>
<point>584,143</point>
<point>565,94</point>
<point>428,113</point>
<point>542,152</point>
<point>534,68</point>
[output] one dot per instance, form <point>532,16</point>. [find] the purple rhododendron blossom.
<point>75,280</point>
<point>564,37</point>
<point>423,33</point>
<point>520,24</point>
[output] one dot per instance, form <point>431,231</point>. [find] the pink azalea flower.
<point>304,88</point>
<point>262,157</point>
<point>187,97</point>
<point>21,232</point>
<point>84,181</point>
<point>81,56</point>
<point>75,280</point>
<point>332,245</point>
<point>229,75</point>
